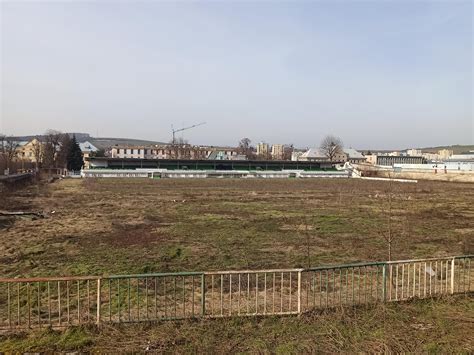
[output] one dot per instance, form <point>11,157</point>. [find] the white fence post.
<point>98,301</point>
<point>299,292</point>
<point>452,276</point>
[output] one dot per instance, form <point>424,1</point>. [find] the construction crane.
<point>184,129</point>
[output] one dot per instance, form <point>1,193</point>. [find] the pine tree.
<point>74,156</point>
<point>65,146</point>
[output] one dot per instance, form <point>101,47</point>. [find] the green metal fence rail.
<point>63,301</point>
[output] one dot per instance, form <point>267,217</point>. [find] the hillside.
<point>99,142</point>
<point>457,149</point>
<point>102,142</point>
<point>81,137</point>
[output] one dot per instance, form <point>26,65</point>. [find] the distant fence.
<point>163,173</point>
<point>65,301</point>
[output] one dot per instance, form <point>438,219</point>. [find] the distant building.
<point>278,151</point>
<point>170,151</point>
<point>87,148</point>
<point>315,154</point>
<point>225,155</point>
<point>466,157</point>
<point>431,157</point>
<point>296,155</point>
<point>129,152</point>
<point>440,156</point>
<point>444,154</point>
<point>353,156</point>
<point>262,149</point>
<point>414,152</point>
<point>29,151</point>
<point>371,159</point>
<point>390,160</point>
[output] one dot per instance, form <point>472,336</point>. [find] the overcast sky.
<point>378,74</point>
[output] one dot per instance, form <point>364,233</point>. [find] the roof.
<point>314,153</point>
<point>87,147</point>
<point>353,154</point>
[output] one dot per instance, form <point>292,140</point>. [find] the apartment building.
<point>263,149</point>
<point>278,151</point>
<point>414,152</point>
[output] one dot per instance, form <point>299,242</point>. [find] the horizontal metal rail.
<point>63,301</point>
<point>162,274</point>
<point>250,271</point>
<point>430,259</point>
<point>50,279</point>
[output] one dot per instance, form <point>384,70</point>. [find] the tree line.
<point>52,150</point>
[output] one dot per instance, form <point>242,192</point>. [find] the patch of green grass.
<point>74,338</point>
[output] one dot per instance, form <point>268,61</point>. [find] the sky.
<point>378,74</point>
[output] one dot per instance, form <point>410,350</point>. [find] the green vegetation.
<point>48,340</point>
<point>75,161</point>
<point>435,326</point>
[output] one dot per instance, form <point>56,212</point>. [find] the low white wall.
<point>163,173</point>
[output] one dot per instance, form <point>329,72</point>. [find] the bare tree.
<point>179,148</point>
<point>65,142</point>
<point>331,146</point>
<point>245,148</point>
<point>51,148</point>
<point>288,151</point>
<point>38,151</point>
<point>8,148</point>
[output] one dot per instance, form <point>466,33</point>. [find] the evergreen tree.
<point>65,146</point>
<point>74,156</point>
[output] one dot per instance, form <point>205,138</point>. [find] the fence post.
<point>452,276</point>
<point>98,302</point>
<point>384,282</point>
<point>203,295</point>
<point>299,291</point>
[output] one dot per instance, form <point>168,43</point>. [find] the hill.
<point>81,137</point>
<point>99,142</point>
<point>102,142</point>
<point>457,148</point>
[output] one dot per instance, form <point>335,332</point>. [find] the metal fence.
<point>64,301</point>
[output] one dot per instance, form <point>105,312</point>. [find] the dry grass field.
<point>429,326</point>
<point>115,226</point>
